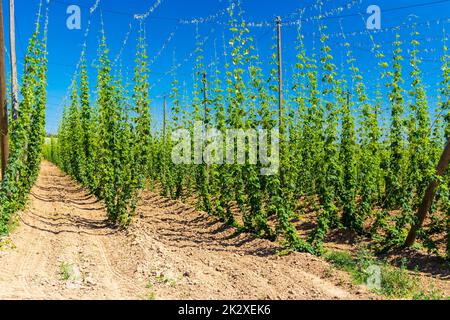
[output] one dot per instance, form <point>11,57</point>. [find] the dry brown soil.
<point>170,251</point>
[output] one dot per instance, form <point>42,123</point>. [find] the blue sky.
<point>65,45</point>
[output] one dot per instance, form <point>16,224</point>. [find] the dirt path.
<point>170,252</point>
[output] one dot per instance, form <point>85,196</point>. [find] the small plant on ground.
<point>430,294</point>
<point>393,282</point>
<point>397,282</point>
<point>151,296</point>
<point>165,280</point>
<point>65,271</point>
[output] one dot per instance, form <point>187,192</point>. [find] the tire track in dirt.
<point>27,265</point>
<point>122,277</point>
<point>61,224</point>
<point>170,251</point>
<point>207,260</point>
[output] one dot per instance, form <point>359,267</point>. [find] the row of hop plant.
<point>337,156</point>
<point>106,147</point>
<point>27,130</point>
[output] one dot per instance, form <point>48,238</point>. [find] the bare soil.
<point>65,248</point>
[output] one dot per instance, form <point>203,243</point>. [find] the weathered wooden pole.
<point>429,197</point>
<point>4,147</point>
<point>12,42</point>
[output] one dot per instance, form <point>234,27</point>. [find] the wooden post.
<point>14,81</point>
<point>4,147</point>
<point>429,197</point>
<point>280,74</point>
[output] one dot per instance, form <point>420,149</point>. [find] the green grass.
<point>356,266</point>
<point>397,282</point>
<point>432,294</point>
<point>14,223</point>
<point>341,260</point>
<point>160,279</point>
<point>165,280</point>
<point>65,271</point>
<point>392,282</point>
<point>6,243</point>
<point>151,296</point>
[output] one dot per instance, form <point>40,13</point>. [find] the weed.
<point>65,270</point>
<point>342,260</point>
<point>165,280</point>
<point>6,243</point>
<point>151,296</point>
<point>431,294</point>
<point>397,282</point>
<point>394,282</point>
<point>149,284</point>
